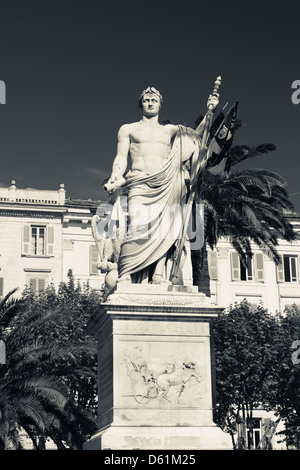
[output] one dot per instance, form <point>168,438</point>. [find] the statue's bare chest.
<point>150,134</point>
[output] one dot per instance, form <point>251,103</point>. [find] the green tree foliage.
<point>285,398</point>
<point>254,369</point>
<point>245,345</point>
<point>76,305</point>
<point>48,384</point>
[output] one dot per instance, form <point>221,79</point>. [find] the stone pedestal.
<point>155,370</point>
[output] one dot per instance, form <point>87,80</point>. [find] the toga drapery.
<point>155,204</point>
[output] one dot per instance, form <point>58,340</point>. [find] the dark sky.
<point>74,70</point>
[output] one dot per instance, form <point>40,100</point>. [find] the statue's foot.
<point>126,279</point>
<point>159,279</point>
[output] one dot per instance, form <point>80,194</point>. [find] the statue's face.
<point>150,104</point>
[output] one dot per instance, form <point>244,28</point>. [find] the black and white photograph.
<point>149,229</point>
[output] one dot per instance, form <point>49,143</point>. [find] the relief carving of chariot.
<point>166,381</point>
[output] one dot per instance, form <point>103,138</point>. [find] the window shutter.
<point>26,240</point>
<point>280,270</point>
<point>213,265</point>
<point>235,266</point>
<point>2,352</point>
<point>50,240</point>
<point>267,431</point>
<point>1,286</point>
<point>292,306</point>
<point>93,259</point>
<point>252,306</point>
<point>259,265</point>
<point>41,284</point>
<point>32,283</point>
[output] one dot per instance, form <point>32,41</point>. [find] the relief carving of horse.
<point>176,376</point>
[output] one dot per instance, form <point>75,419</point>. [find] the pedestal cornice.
<point>154,302</point>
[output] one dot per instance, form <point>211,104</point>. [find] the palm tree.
<point>248,205</point>
<point>34,395</point>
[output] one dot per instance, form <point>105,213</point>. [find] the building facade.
<point>42,236</point>
<point>276,287</point>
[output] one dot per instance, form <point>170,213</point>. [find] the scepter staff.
<point>196,162</point>
<point>195,167</point>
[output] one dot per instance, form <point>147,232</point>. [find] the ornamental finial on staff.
<point>217,84</point>
<point>215,91</point>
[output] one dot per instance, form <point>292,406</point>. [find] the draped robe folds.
<point>155,208</point>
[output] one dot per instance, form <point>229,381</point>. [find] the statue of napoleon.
<point>151,164</point>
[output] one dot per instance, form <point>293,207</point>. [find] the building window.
<point>253,300</point>
<point>247,272</point>
<point>253,271</point>
<point>254,437</point>
<point>290,268</point>
<point>287,269</point>
<point>38,240</point>
<point>37,283</point>
<point>292,305</point>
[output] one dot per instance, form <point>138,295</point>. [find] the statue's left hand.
<point>213,101</point>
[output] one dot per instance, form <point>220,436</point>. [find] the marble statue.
<point>157,157</point>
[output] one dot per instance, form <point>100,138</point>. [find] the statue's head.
<point>150,91</point>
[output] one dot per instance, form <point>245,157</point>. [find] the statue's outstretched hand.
<point>213,101</point>
<point>114,183</point>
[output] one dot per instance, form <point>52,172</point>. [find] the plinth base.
<point>155,363</point>
<point>163,437</point>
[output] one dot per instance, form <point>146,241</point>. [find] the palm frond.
<point>240,153</point>
<point>247,205</point>
<point>9,309</point>
<point>30,409</point>
<point>50,390</point>
<point>3,302</point>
